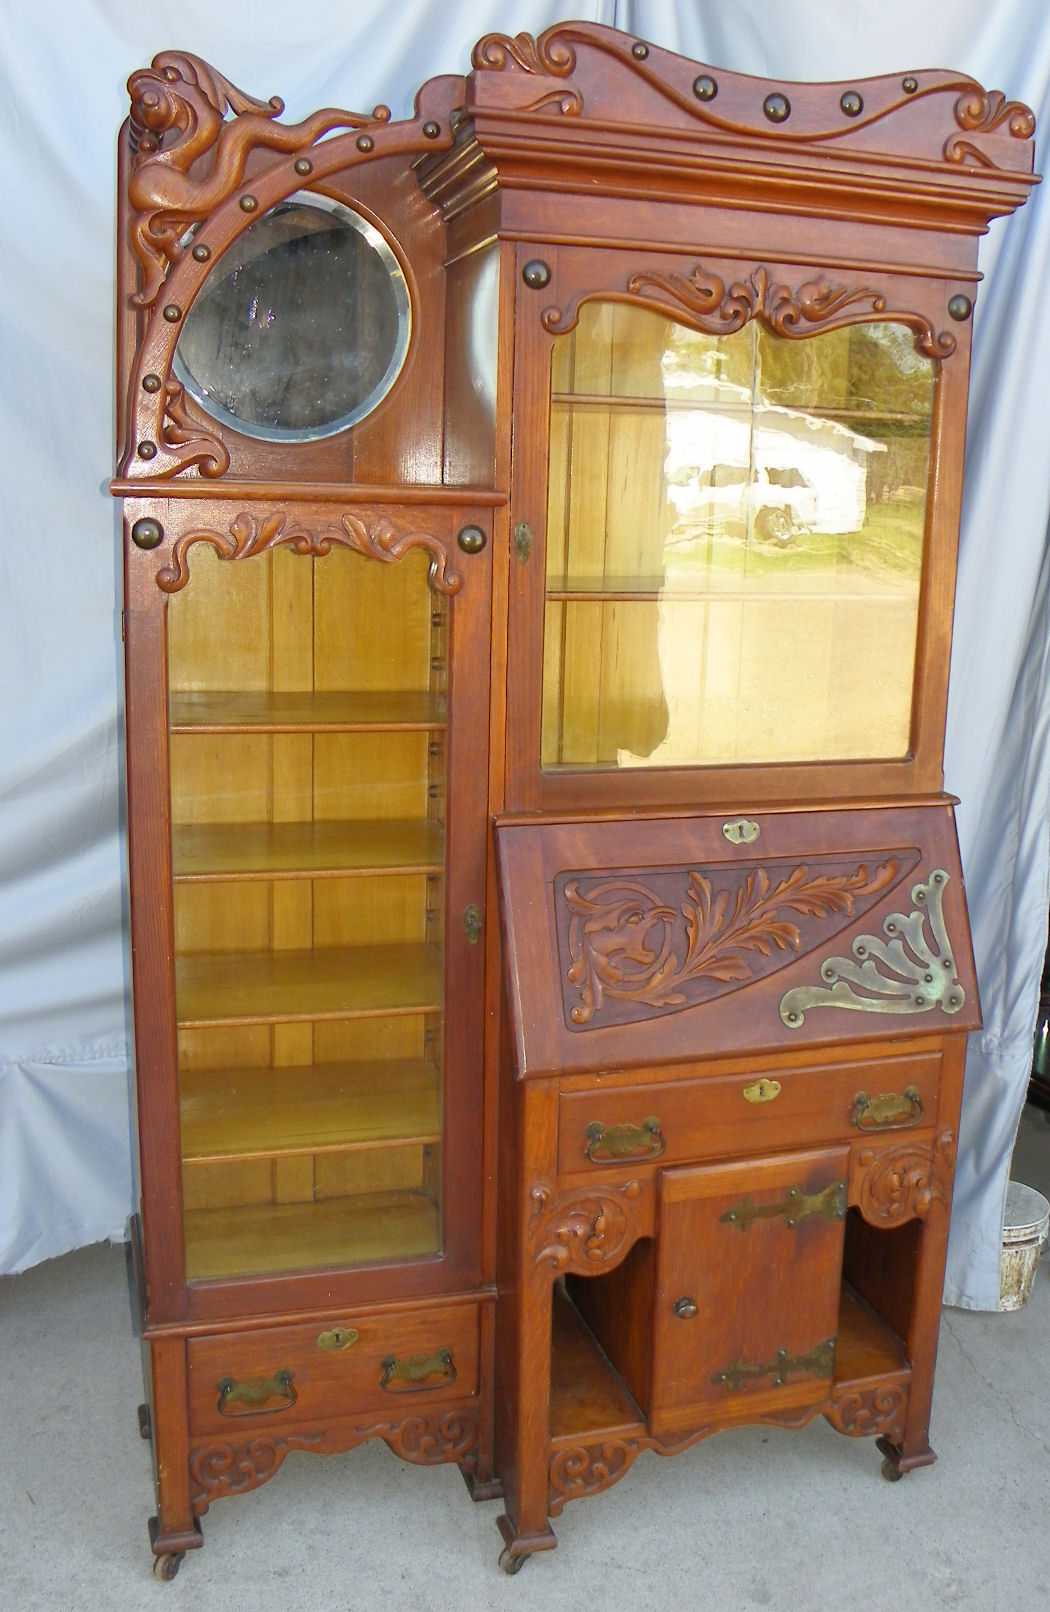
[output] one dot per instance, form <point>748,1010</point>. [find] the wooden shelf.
<point>865,1346</point>
<point>231,1114</point>
<point>324,711</point>
<point>338,982</point>
<point>587,1394</point>
<point>262,1238</point>
<point>685,586</point>
<point>292,850</point>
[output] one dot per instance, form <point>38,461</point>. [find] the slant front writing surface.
<point>308,780</point>
<point>735,532</point>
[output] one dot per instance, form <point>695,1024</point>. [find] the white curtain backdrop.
<point>65,1153</point>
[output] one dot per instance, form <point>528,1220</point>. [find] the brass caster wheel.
<point>891,1472</point>
<point>166,1566</point>
<point>145,1425</point>
<point>509,1563</point>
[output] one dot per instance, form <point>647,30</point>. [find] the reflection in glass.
<point>301,327</point>
<point>734,543</point>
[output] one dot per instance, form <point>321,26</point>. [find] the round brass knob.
<point>684,1308</point>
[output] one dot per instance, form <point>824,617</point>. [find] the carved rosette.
<point>225,1469</point>
<point>704,301</point>
<point>247,535</point>
<point>585,1231</point>
<point>870,1410</point>
<point>625,942</point>
<point>912,971</point>
<point>894,1184</point>
<point>429,1441</point>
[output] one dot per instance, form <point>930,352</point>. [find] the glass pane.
<point>734,543</point>
<point>301,327</point>
<point>308,784</point>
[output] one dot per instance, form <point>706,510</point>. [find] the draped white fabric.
<point>65,1170</point>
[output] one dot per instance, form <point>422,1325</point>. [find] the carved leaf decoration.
<point>623,941</point>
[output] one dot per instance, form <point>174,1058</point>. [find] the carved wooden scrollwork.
<point>248,535</point>
<point>179,108</point>
<point>583,1231</point>
<point>429,1441</point>
<point>870,1410</point>
<point>625,943</point>
<point>894,1184</point>
<point>985,112</point>
<point>225,1469</point>
<point>703,300</point>
<point>586,1469</point>
<point>548,56</point>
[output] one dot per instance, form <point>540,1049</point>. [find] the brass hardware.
<point>151,383</point>
<point>471,539</point>
<point>644,1141</point>
<point>147,450</point>
<point>337,1338</point>
<point>248,204</point>
<point>431,130</point>
<point>639,51</point>
<point>793,1207</point>
<point>891,1111</point>
<point>303,166</point>
<point>523,540</point>
<point>172,313</point>
<point>819,1362</point>
<point>415,1370</point>
<point>705,88</point>
<point>851,104</point>
<point>201,253</point>
<point>960,307</point>
<point>741,831</point>
<point>685,1308</point>
<point>473,923</point>
<point>777,107</point>
<point>254,1394</point>
<point>536,274</point>
<point>909,85</point>
<point>147,533</point>
<point>365,142</point>
<point>761,1091</point>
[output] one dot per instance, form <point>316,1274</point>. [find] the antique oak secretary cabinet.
<point>551,965</point>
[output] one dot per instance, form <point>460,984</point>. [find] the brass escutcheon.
<point>337,1338</point>
<point>741,831</point>
<point>762,1091</point>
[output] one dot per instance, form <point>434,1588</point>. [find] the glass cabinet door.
<point>308,714</point>
<point>735,530</point>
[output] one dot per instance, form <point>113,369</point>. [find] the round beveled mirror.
<point>302,326</point>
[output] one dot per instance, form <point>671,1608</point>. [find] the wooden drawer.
<point>694,1118</point>
<point>333,1368</point>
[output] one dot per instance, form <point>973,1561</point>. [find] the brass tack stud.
<point>639,51</point>
<point>536,274</point>
<point>705,88</point>
<point>909,85</point>
<point>432,129</point>
<point>147,450</point>
<point>852,104</point>
<point>777,107</point>
<point>960,307</point>
<point>201,252</point>
<point>303,166</point>
<point>365,142</point>
<point>471,539</point>
<point>173,313</point>
<point>151,383</point>
<point>248,204</point>
<point>147,533</point>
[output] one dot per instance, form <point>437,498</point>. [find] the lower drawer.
<point>332,1368</point>
<point>695,1118</point>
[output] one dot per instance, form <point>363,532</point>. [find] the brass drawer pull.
<point>644,1141</point>
<point>337,1338</point>
<point>892,1111</point>
<point>819,1362</point>
<point>255,1393</point>
<point>416,1371</point>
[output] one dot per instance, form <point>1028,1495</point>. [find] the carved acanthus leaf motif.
<point>582,1231</point>
<point>247,535</point>
<point>224,1469</point>
<point>870,1410</point>
<point>621,939</point>
<point>429,1441</point>
<point>817,305</point>
<point>902,1183</point>
<point>178,115</point>
<point>906,974</point>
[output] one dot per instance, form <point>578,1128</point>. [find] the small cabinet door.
<point>748,1283</point>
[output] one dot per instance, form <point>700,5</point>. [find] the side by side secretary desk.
<point>550,958</point>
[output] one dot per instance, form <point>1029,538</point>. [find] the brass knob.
<point>684,1308</point>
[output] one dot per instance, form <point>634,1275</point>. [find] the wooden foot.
<point>896,1463</point>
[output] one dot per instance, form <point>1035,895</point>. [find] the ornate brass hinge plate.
<point>819,1362</point>
<point>793,1207</point>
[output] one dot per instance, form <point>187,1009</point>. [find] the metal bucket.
<point>1026,1222</point>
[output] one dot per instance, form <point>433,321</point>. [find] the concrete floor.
<point>796,1522</point>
